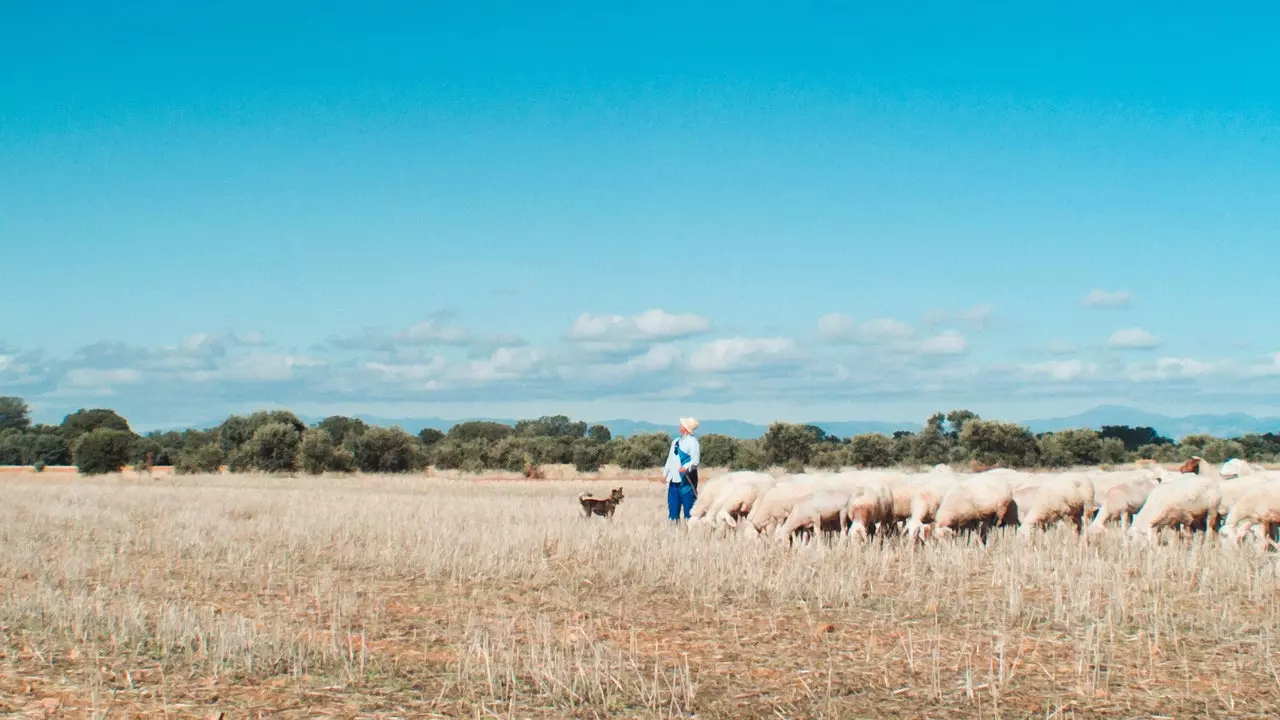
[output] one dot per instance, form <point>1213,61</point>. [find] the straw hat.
<point>689,424</point>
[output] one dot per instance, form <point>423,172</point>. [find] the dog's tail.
<point>583,496</point>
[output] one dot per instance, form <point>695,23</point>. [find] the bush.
<point>587,457</point>
<point>718,450</point>
<point>102,450</point>
<point>871,450</point>
<point>388,450</point>
<point>274,448</point>
<point>207,458</point>
<point>750,455</point>
<point>318,453</point>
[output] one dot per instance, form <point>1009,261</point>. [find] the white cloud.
<point>650,325</point>
<point>409,373</point>
<point>950,342</point>
<point>433,332</point>
<point>654,360</point>
<point>1104,299</point>
<point>1171,368</point>
<point>90,378</point>
<point>253,368</point>
<point>504,364</point>
<point>842,328</point>
<point>741,353</point>
<point>1062,370</point>
<point>979,316</point>
<point>1132,339</point>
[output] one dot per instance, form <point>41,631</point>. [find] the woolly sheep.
<point>710,490</point>
<point>979,502</point>
<point>825,509</point>
<point>1121,502</point>
<point>736,501</point>
<point>776,504</point>
<point>926,496</point>
<point>1236,488</point>
<point>1188,501</point>
<point>1258,509</point>
<point>870,505</point>
<point>1064,496</point>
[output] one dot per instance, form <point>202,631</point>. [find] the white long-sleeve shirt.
<point>689,444</point>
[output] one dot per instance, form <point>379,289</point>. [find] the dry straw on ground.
<point>430,597</point>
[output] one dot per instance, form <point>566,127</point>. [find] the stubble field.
<point>373,596</point>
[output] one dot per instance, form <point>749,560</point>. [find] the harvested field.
<point>425,597</point>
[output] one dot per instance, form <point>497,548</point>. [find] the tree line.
<point>99,440</point>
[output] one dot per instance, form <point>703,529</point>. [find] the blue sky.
<point>747,210</point>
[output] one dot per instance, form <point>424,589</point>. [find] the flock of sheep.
<point>1235,500</point>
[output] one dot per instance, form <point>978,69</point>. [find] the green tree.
<point>1002,443</point>
<point>871,450</point>
<point>274,447</point>
<point>479,430</point>
<point>642,451</point>
<point>83,421</point>
<point>956,420</point>
<point>341,427</point>
<point>791,444</point>
<point>429,436</point>
<point>1067,448</point>
<point>933,444</point>
<point>1133,437</point>
<point>1112,451</point>
<point>14,414</point>
<point>831,456</point>
<point>587,456</point>
<point>206,458</point>
<point>716,450</point>
<point>318,453</point>
<point>599,434</point>
<point>750,455</point>
<point>102,450</point>
<point>551,426</point>
<point>386,450</point>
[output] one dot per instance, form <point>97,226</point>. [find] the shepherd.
<point>681,471</point>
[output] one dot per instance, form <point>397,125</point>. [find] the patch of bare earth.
<point>416,597</point>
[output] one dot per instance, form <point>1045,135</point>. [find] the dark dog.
<point>603,507</point>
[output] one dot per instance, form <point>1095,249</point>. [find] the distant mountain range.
<point>1221,425</point>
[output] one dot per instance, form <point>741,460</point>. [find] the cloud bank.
<point>655,356</point>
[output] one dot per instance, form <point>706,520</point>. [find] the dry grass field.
<point>430,597</point>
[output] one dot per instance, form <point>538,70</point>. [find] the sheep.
<point>825,509</point>
<point>1023,499</point>
<point>980,502</point>
<point>870,506</point>
<point>1189,501</point>
<point>736,501</point>
<point>1122,501</point>
<point>1235,489</point>
<point>1236,467</point>
<point>1259,510</point>
<point>710,490</point>
<point>775,505</point>
<point>925,498</point>
<point>1069,495</point>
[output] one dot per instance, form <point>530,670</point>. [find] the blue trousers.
<point>679,496</point>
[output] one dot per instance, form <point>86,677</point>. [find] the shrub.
<point>389,450</point>
<point>206,458</point>
<point>274,447</point>
<point>317,453</point>
<point>102,450</point>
